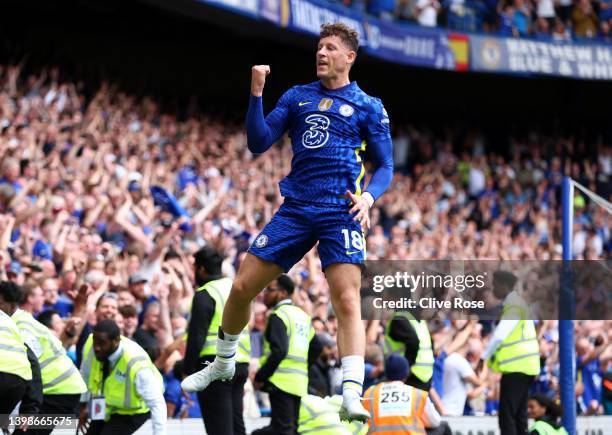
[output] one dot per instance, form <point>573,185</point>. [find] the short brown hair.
<point>348,36</point>
<point>128,311</point>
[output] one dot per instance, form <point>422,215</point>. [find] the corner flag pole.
<point>566,312</point>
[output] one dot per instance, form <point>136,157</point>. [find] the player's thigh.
<point>344,281</point>
<point>254,274</point>
<point>286,238</point>
<point>340,238</point>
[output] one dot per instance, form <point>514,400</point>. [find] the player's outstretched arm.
<point>263,132</point>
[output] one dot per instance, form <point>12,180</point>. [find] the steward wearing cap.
<point>125,388</point>
<point>407,336</point>
<point>514,352</point>
<point>221,402</point>
<point>62,384</point>
<point>397,408</point>
<point>289,349</point>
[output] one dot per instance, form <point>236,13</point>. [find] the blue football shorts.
<point>297,226</point>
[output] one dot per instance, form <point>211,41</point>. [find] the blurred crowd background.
<point>548,20</point>
<point>82,232</point>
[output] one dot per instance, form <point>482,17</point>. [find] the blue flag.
<point>167,202</point>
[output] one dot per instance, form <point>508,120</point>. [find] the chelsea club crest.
<point>346,110</point>
<point>261,241</point>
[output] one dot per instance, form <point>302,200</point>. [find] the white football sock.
<point>353,371</point>
<point>227,345</point>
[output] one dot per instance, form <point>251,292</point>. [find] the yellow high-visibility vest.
<point>58,372</point>
<point>424,362</point>
<point>219,290</point>
<point>520,351</point>
<point>543,428</point>
<point>13,353</point>
<point>119,387</point>
<point>319,417</point>
<point>291,375</point>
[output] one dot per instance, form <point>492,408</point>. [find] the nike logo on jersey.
<point>303,103</point>
<point>352,252</point>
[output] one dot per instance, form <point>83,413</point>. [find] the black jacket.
<point>401,330</point>
<point>202,311</point>
<point>33,397</point>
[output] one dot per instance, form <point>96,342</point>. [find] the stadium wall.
<point>459,425</point>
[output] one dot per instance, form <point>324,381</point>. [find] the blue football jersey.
<point>330,131</point>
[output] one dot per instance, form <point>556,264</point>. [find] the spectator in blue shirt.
<point>179,403</point>
<point>588,370</point>
<point>521,17</point>
<point>53,301</point>
<point>506,22</point>
<point>383,9</point>
<point>10,173</point>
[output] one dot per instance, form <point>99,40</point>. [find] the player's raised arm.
<point>258,79</point>
<point>263,132</point>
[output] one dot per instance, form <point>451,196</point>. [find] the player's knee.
<point>347,304</point>
<point>242,291</point>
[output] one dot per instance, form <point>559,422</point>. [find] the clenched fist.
<point>258,79</point>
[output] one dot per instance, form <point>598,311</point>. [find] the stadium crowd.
<point>554,20</point>
<point>103,199</point>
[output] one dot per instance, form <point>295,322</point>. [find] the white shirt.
<point>147,387</point>
<point>429,15</point>
<point>456,369</point>
<point>477,181</point>
<point>546,8</point>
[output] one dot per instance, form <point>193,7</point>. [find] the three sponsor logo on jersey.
<point>317,135</point>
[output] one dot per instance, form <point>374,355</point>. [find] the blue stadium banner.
<point>409,45</point>
<point>521,56</point>
<point>308,16</point>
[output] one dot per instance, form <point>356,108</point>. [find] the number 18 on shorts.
<point>297,227</point>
